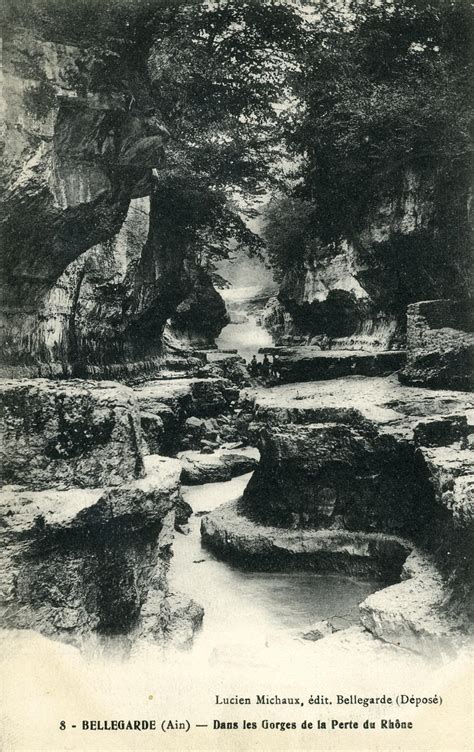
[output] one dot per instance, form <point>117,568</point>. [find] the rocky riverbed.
<point>358,476</point>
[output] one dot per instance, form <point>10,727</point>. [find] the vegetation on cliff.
<point>383,92</point>
<point>212,72</point>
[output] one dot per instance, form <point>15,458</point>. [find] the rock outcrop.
<point>73,162</point>
<point>308,363</point>
<point>356,290</point>
<point>166,404</point>
<point>69,434</point>
<point>87,522</point>
<point>440,345</point>
<point>229,365</point>
<point>416,614</point>
<point>234,535</point>
<point>200,318</point>
<point>346,468</point>
<point>217,466</point>
<point>87,282</point>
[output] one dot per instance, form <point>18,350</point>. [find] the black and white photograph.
<point>236,376</point>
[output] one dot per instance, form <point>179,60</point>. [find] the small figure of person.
<point>265,367</point>
<point>253,367</point>
<point>276,367</point>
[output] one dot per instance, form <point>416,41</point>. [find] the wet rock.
<point>69,433</point>
<point>220,465</point>
<point>232,534</point>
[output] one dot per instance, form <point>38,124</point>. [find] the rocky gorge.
<point>151,484</point>
<point>358,475</point>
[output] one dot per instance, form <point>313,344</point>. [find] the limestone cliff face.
<point>87,521</point>
<point>356,291</point>
<point>85,279</point>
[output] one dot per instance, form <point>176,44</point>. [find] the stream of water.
<point>253,613</point>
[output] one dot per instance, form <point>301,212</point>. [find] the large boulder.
<point>440,345</point>
<point>221,465</point>
<point>68,433</point>
<point>81,561</point>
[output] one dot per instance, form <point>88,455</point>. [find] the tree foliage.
<point>389,92</point>
<point>289,232</point>
<point>384,90</point>
<point>213,70</point>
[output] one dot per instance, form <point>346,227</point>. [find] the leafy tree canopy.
<point>215,71</point>
<point>383,89</point>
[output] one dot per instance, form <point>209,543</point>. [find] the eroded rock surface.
<point>87,522</point>
<point>308,363</point>
<point>220,465</point>
<point>83,560</point>
<point>415,614</point>
<point>69,433</point>
<point>201,316</point>
<point>355,466</point>
<point>167,405</point>
<point>440,345</point>
<point>87,283</point>
<point>355,290</point>
<point>199,397</point>
<point>73,162</point>
<point>229,531</point>
<point>348,467</point>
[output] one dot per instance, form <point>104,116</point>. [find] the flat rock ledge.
<point>306,363</point>
<point>236,537</point>
<point>413,614</point>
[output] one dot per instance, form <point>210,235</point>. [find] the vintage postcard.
<point>236,376</point>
